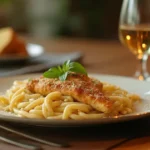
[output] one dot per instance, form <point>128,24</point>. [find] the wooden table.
<point>105,57</point>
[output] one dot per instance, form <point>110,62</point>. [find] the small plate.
<point>141,88</point>
<point>34,50</point>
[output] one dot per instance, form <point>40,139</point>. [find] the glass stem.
<point>141,72</point>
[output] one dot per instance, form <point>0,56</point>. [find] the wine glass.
<point>134,32</point>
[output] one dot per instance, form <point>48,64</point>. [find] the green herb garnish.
<point>62,72</point>
<point>30,79</point>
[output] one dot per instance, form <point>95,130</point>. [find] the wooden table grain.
<point>104,57</point>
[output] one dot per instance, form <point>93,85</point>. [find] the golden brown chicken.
<point>81,87</point>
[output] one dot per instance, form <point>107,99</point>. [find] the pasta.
<point>21,102</point>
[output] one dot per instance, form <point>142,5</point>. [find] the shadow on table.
<point>112,131</point>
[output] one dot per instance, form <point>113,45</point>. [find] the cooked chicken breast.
<point>81,87</point>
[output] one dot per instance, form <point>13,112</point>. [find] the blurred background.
<point>62,18</point>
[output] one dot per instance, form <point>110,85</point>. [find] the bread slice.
<point>20,48</point>
<point>10,44</point>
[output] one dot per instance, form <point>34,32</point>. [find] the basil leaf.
<point>59,68</point>
<point>77,67</point>
<point>30,79</point>
<point>52,73</point>
<point>63,76</point>
<point>62,72</point>
<point>66,65</point>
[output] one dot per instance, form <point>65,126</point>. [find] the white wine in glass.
<point>134,32</point>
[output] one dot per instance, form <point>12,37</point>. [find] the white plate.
<point>34,50</point>
<point>140,87</point>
